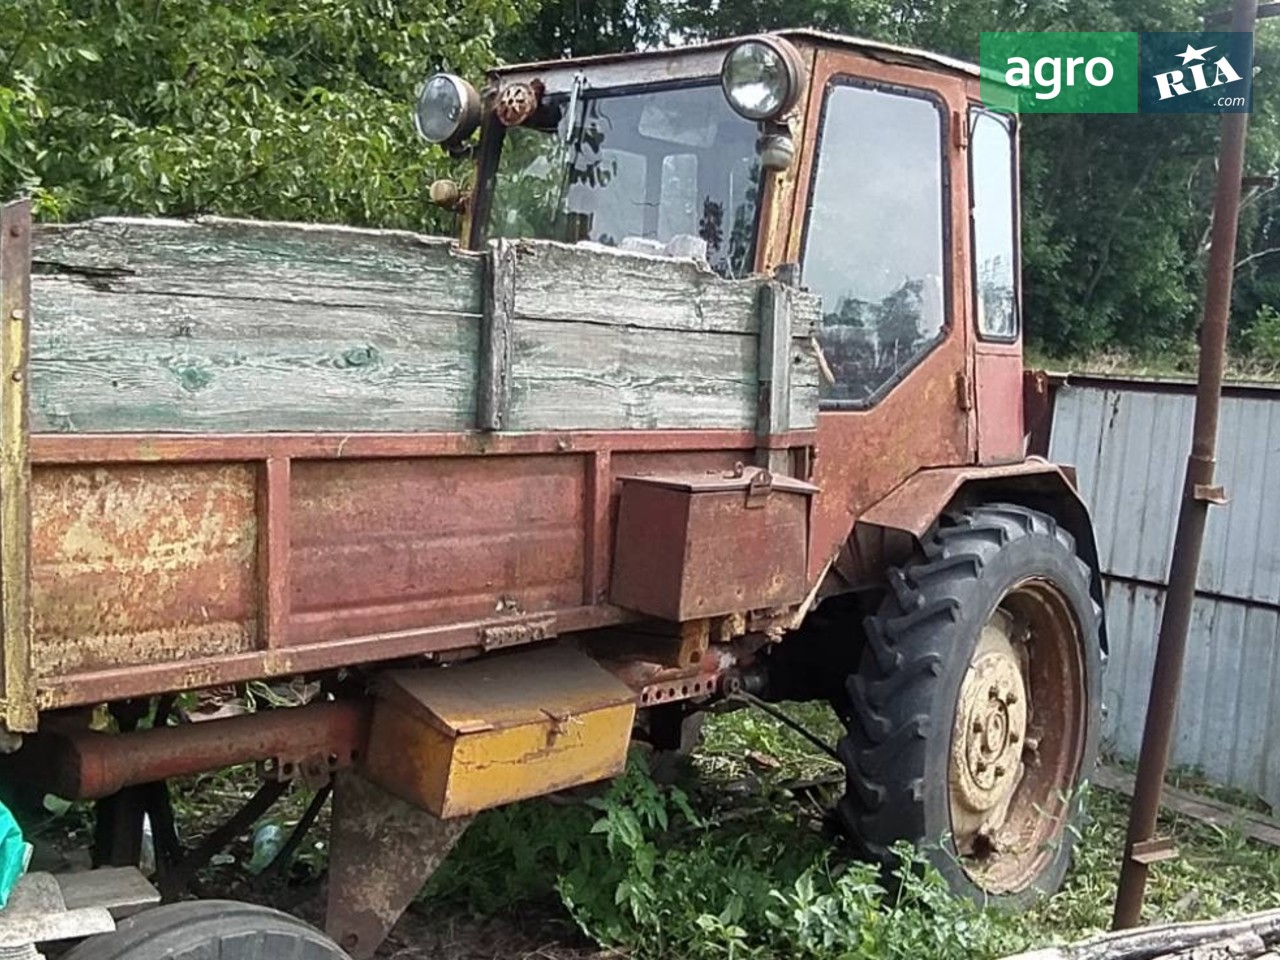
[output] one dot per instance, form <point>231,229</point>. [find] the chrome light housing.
<point>762,77</point>
<point>448,109</point>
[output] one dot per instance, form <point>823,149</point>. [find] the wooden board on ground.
<point>1255,826</point>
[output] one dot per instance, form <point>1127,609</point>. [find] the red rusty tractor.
<point>719,395</point>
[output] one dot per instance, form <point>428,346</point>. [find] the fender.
<point>890,529</point>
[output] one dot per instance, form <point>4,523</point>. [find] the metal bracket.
<point>1154,850</point>
<point>1210,493</point>
<point>497,636</point>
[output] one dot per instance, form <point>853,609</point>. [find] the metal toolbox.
<point>463,738</point>
<point>704,545</point>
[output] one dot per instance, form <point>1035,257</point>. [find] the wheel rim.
<point>1018,738</point>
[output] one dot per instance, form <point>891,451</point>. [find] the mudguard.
<point>915,505</point>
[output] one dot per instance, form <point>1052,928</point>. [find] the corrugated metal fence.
<point>1129,441</point>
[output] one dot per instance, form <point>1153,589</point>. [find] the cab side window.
<point>873,245</point>
<point>995,260</point>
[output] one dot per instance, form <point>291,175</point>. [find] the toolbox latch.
<point>758,488</point>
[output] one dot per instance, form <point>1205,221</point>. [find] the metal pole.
<point>1198,493</point>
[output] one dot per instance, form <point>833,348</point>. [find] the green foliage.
<point>1264,334</point>
<point>734,867</point>
<point>264,108</point>
<point>574,28</point>
<point>642,870</point>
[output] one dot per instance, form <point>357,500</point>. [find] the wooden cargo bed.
<point>259,449</point>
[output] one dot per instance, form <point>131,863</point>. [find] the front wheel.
<point>973,716</point>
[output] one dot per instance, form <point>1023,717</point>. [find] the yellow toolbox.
<point>459,739</point>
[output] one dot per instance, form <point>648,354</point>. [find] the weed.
<point>733,865</point>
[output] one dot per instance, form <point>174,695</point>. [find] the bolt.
<point>1011,699</point>
<point>18,314</point>
<point>1013,736</point>
<point>17,376</point>
<point>977,726</point>
<point>1000,771</point>
<point>993,693</point>
<point>980,766</point>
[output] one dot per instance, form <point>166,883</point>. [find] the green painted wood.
<point>556,281</point>
<point>568,376</point>
<point>226,326</point>
<point>232,326</point>
<point>610,340</point>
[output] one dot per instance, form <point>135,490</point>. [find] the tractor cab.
<point>876,170</point>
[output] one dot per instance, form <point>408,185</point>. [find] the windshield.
<point>656,170</point>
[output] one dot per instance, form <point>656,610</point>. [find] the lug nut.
<point>981,766</point>
<point>1013,736</point>
<point>993,693</point>
<point>1011,699</point>
<point>977,726</point>
<point>1000,771</point>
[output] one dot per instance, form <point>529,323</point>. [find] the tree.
<point>262,108</point>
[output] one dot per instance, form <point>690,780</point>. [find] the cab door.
<point>880,232</point>
<point>993,228</point>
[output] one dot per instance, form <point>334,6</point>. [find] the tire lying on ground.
<point>209,930</point>
<point>975,710</point>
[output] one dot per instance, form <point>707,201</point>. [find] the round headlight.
<point>762,77</point>
<point>448,109</point>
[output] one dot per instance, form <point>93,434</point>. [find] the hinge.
<point>964,391</point>
<point>959,130</point>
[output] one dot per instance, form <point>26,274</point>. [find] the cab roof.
<point>875,49</point>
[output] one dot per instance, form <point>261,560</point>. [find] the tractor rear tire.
<point>209,930</point>
<point>974,715</point>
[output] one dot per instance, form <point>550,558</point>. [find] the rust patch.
<point>133,564</point>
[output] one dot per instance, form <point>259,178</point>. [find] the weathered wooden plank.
<point>221,326</point>
<point>591,285</point>
<point>611,340</point>
<point>1255,826</point>
<point>570,375</point>
<point>326,265</point>
<point>496,336</point>
<point>103,362</point>
<point>774,415</point>
<point>806,311</point>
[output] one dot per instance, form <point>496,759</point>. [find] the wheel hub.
<point>989,736</point>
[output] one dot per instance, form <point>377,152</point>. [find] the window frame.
<point>1015,172</point>
<point>939,104</point>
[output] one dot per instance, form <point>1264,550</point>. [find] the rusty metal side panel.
<point>998,378</point>
<point>139,564</point>
<point>406,544</point>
